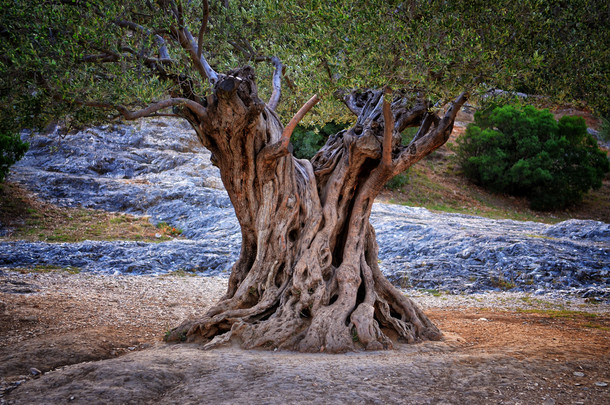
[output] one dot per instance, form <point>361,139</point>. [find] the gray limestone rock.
<point>158,168</point>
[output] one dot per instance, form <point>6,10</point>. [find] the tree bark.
<point>307,277</point>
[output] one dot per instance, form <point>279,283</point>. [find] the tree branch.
<point>179,13</point>
<point>424,144</point>
<point>270,154</point>
<point>101,58</point>
<point>190,45</point>
<point>287,133</point>
<point>277,84</point>
<point>159,41</point>
<point>149,111</point>
<point>204,23</point>
<point>145,112</point>
<point>351,100</point>
<point>388,129</point>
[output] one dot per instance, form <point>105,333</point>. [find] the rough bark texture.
<point>307,278</point>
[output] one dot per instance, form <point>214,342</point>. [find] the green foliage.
<point>307,140</point>
<point>168,230</point>
<point>524,151</point>
<point>398,182</point>
<point>57,58</point>
<point>604,130</point>
<point>11,150</point>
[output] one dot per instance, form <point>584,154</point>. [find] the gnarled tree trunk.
<point>307,277</point>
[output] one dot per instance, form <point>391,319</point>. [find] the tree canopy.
<point>308,276</point>
<point>59,58</point>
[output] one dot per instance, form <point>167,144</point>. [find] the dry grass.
<point>27,218</point>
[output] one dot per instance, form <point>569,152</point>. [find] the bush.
<point>11,150</point>
<point>525,152</point>
<point>307,141</point>
<point>398,182</point>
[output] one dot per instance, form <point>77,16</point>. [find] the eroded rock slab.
<point>158,168</point>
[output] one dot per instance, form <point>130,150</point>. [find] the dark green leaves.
<point>11,150</point>
<point>68,50</point>
<point>526,152</point>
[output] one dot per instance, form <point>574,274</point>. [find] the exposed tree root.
<point>307,278</point>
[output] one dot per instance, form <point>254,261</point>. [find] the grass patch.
<point>168,230</point>
<point>502,283</point>
<point>531,235</point>
<point>432,291</point>
<point>47,268</point>
<point>181,273</point>
<point>559,313</point>
<point>596,326</point>
<point>28,218</point>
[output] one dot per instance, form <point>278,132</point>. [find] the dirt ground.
<point>82,338</point>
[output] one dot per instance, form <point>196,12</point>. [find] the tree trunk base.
<point>356,309</point>
<point>308,278</point>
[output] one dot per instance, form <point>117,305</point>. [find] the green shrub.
<point>398,182</point>
<point>525,152</point>
<point>307,141</point>
<point>11,150</point>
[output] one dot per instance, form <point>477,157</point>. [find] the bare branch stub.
<point>287,133</point>
<point>277,83</point>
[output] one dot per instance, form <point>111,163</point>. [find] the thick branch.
<point>354,100</point>
<point>272,152</point>
<point>388,122</point>
<point>277,84</point>
<point>424,144</point>
<point>148,111</point>
<point>190,104</point>
<point>190,45</point>
<point>287,133</point>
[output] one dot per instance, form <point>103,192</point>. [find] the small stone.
<point>601,384</point>
<point>578,374</point>
<point>35,372</point>
<point>483,319</point>
<point>549,401</point>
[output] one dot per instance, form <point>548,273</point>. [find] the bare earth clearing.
<point>98,339</point>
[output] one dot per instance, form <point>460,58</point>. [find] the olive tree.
<point>307,277</point>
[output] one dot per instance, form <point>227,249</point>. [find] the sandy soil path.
<point>98,339</point>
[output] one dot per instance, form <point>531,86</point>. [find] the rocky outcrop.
<point>158,168</point>
<point>210,259</point>
<point>462,253</point>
